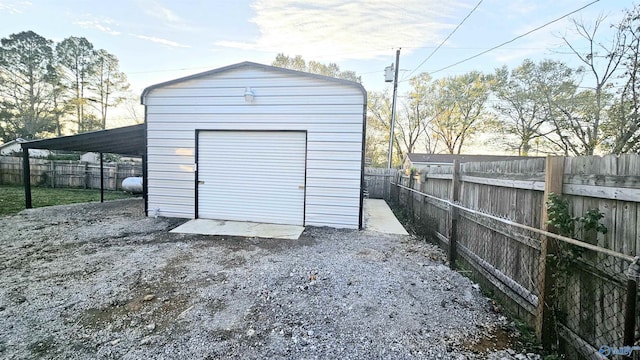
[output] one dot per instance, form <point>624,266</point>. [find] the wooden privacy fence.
<point>66,173</point>
<point>492,219</point>
<point>377,182</point>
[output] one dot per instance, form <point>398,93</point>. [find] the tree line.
<point>544,107</point>
<point>47,88</point>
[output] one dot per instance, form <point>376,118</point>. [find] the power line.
<point>444,41</point>
<point>515,38</point>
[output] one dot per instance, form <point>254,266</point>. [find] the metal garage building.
<point>250,142</point>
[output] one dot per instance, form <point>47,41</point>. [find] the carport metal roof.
<point>128,140</point>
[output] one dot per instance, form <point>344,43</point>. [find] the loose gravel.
<point>102,281</point>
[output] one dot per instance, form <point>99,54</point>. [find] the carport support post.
<point>26,173</point>
<point>453,215</point>
<point>101,177</point>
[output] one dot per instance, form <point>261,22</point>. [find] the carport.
<point>128,140</point>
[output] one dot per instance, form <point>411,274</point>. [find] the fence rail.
<point>66,173</point>
<point>492,218</point>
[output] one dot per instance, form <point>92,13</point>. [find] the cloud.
<point>161,41</point>
<point>160,12</point>
<point>104,25</point>
<point>14,7</point>
<point>166,16</point>
<point>336,29</point>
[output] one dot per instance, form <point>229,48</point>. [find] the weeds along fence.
<point>573,281</point>
<point>66,173</point>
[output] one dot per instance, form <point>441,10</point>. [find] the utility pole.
<point>393,107</point>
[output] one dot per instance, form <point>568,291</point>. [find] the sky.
<point>160,40</point>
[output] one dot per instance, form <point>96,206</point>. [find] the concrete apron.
<point>379,217</point>
<point>240,228</point>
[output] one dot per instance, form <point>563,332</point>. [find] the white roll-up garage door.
<point>256,176</point>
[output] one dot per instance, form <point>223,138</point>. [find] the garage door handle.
<point>301,187</point>
<point>200,182</point>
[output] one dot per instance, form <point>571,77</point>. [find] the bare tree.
<point>622,131</point>
<point>601,61</point>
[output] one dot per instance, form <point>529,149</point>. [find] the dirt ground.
<point>102,281</point>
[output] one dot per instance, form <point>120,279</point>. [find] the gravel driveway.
<point>102,281</point>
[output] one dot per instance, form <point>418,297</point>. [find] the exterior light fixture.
<point>248,95</point>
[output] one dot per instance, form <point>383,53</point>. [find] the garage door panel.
<point>254,176</point>
<point>232,210</point>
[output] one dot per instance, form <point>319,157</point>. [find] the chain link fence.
<point>578,295</point>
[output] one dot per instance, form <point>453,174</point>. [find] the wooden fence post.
<point>630,308</point>
<point>554,171</point>
<point>453,215</point>
<point>87,176</point>
<point>52,174</point>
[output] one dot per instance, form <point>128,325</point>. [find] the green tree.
<point>378,130</point>
<point>78,61</point>
<point>525,95</point>
<point>460,108</point>
<point>314,67</point>
<point>26,73</point>
<point>61,107</point>
<point>108,83</point>
<point>573,121</point>
<point>293,63</point>
<point>413,123</point>
<point>420,111</point>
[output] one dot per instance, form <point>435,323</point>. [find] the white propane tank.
<point>132,184</point>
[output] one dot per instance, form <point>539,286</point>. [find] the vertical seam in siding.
<point>196,175</point>
<point>145,170</point>
<point>304,203</point>
<point>362,159</point>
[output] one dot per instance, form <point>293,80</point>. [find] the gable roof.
<point>249,64</point>
<point>425,159</point>
<point>128,140</point>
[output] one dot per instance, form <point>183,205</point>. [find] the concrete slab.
<point>239,228</point>
<point>379,217</point>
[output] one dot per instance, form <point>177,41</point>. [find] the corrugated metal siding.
<point>331,113</point>
<point>271,191</point>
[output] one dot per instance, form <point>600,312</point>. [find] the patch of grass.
<point>12,197</point>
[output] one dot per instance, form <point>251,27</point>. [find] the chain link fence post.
<point>633,273</point>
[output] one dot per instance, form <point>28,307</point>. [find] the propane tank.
<point>132,184</point>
